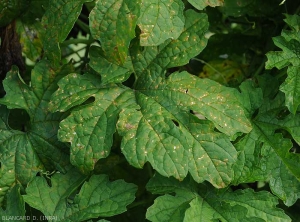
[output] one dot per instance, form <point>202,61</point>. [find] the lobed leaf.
<point>152,63</point>
<point>154,117</point>
<point>110,72</point>
<point>160,20</point>
<point>291,88</point>
<point>23,154</point>
<point>30,39</point>
<point>265,155</point>
<point>15,207</point>
<point>289,42</point>
<point>97,198</point>
<point>113,24</point>
<point>200,5</point>
<point>90,128</point>
<point>190,199</point>
<point>58,21</point>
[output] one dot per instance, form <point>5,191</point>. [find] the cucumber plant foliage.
<point>134,125</point>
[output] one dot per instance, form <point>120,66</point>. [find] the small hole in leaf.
<point>130,81</point>
<point>295,148</point>
<point>255,114</point>
<point>175,122</point>
<point>186,91</point>
<point>18,120</point>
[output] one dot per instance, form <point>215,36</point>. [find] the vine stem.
<point>210,66</point>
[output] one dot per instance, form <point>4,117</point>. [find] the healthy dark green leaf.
<point>97,197</point>
<point>23,154</point>
<point>289,42</point>
<point>15,207</point>
<point>190,199</point>
<point>58,21</point>
<point>265,154</point>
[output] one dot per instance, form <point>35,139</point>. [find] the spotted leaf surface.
<point>97,196</point>
<point>113,24</point>
<point>90,128</point>
<point>152,62</point>
<point>160,20</point>
<point>110,72</point>
<point>201,4</point>
<point>23,154</point>
<point>154,115</point>
<point>155,124</point>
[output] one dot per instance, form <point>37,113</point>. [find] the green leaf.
<point>160,20</point>
<point>199,211</point>
<point>23,154</point>
<point>30,39</point>
<point>19,162</point>
<point>97,198</point>
<point>113,24</point>
<point>289,42</point>
<point>289,54</point>
<point>209,99</point>
<point>264,154</point>
<point>58,21</point>
<point>190,200</point>
<point>15,207</point>
<point>201,4</point>
<point>90,128</point>
<point>110,72</point>
<point>291,88</point>
<point>172,134</point>
<point>11,9</point>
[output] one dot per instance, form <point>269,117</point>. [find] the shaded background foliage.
<point>47,40</point>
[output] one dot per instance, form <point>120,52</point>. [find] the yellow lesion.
<point>226,72</point>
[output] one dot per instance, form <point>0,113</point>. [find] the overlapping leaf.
<point>154,116</point>
<point>113,23</point>
<point>89,129</point>
<point>160,20</point>
<point>151,63</point>
<point>15,207</point>
<point>97,197</point>
<point>23,154</point>
<point>30,38</point>
<point>58,21</point>
<point>190,203</point>
<point>110,72</point>
<point>266,155</point>
<point>201,4</point>
<point>289,42</point>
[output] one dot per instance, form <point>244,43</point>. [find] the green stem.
<point>136,204</point>
<point>210,66</point>
<point>83,26</point>
<point>76,41</point>
<point>260,68</point>
<point>74,51</point>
